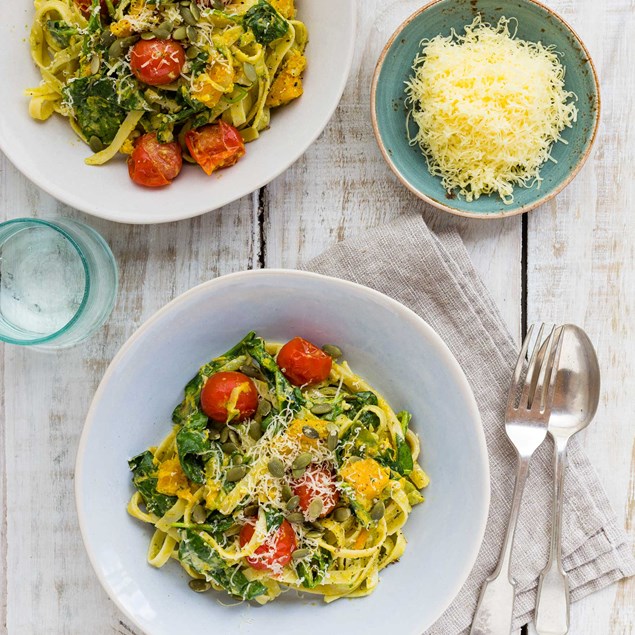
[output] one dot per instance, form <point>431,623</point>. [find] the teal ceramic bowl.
<point>536,22</point>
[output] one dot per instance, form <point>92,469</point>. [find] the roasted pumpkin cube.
<point>287,86</point>
<point>367,477</point>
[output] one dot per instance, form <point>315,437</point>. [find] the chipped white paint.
<point>581,269</point>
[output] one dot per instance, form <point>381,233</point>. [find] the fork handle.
<point>552,602</point>
<point>495,609</point>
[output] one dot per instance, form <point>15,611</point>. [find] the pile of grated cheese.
<point>488,108</point>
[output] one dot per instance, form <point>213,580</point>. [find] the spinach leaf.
<point>274,519</point>
<point>61,32</point>
<point>265,22</point>
<point>216,524</point>
<point>96,107</point>
<point>358,401</point>
<point>400,461</point>
<point>194,448</point>
<point>312,570</point>
<point>145,480</point>
<point>196,553</point>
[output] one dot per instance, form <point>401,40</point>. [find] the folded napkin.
<point>431,273</point>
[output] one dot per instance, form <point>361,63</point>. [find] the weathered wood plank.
<point>582,270</point>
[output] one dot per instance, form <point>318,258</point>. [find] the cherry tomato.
<point>157,62</point>
<point>215,146</point>
<point>317,482</point>
<point>154,164</point>
<point>303,363</point>
<point>217,392</point>
<point>277,549</point>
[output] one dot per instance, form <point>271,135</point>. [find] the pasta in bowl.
<point>162,82</point>
<point>52,155</point>
<point>292,473</point>
<point>394,355</point>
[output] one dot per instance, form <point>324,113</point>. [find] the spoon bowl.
<point>577,389</point>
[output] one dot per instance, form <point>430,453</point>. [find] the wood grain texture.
<point>581,269</point>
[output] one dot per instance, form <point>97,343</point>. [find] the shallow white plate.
<point>52,157</point>
<point>395,350</point>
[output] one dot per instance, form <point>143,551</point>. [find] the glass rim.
<point>87,283</point>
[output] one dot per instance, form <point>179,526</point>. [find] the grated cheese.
<point>488,108</point>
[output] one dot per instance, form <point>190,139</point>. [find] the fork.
<point>526,418</point>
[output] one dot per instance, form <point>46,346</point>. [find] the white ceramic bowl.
<point>394,349</point>
<point>51,156</point>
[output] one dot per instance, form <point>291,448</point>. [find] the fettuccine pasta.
<point>300,485</point>
<point>121,70</point>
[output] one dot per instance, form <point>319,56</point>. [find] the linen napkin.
<point>432,274</point>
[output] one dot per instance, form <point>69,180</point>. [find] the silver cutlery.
<point>526,419</point>
<point>575,402</point>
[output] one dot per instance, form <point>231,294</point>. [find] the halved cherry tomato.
<point>154,164</point>
<point>316,482</point>
<point>157,62</point>
<point>218,390</point>
<point>303,363</point>
<point>277,549</point>
<point>215,146</point>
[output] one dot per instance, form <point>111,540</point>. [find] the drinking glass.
<point>58,282</point>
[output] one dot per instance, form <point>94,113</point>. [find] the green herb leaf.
<point>312,570</point>
<point>61,32</point>
<point>145,480</point>
<point>265,22</point>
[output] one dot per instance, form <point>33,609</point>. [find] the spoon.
<point>576,397</point>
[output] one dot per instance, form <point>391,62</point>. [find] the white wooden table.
<point>572,260</point>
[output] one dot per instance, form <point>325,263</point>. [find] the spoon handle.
<point>552,602</point>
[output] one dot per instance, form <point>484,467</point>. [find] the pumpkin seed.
<point>313,535</point>
<point>187,16</point>
<point>332,351</point>
<point>224,435</point>
<point>355,459</point>
<point>238,459</point>
<point>95,63</point>
<point>293,502</point>
<point>180,33</point>
<point>199,515</point>
<point>332,440</point>
<point>342,514</point>
<point>315,508</point>
<point>249,370</point>
<point>302,461</point>
<point>377,512</point>
<point>214,435</point>
<point>264,407</point>
<point>250,510</point>
<point>255,431</point>
<point>315,526</point>
<point>234,437</point>
<point>235,473</point>
<point>287,492</point>
<point>233,530</point>
<point>298,473</point>
<point>164,30</point>
<point>310,433</point>
<point>322,408</point>
<point>296,517</point>
<point>250,72</point>
<point>148,35</point>
<point>192,33</point>
<point>276,468</point>
<point>106,38</point>
<point>229,447</point>
<point>299,554</point>
<point>120,46</point>
<point>199,586</point>
<point>95,144</point>
<point>192,52</point>
<point>196,12</point>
